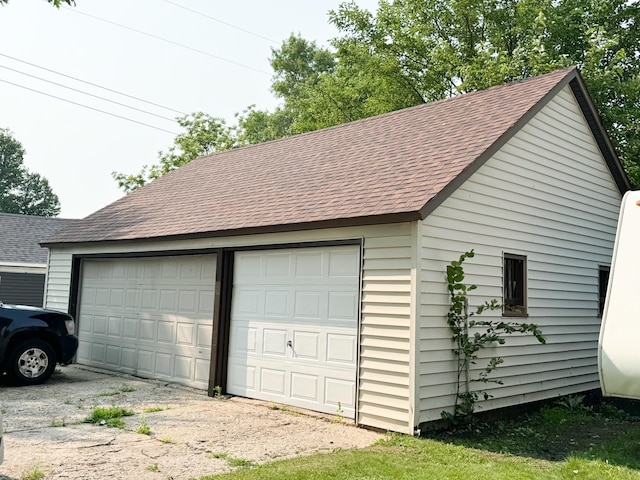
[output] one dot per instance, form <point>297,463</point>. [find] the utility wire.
<point>88,107</point>
<point>92,84</point>
<point>89,94</point>
<point>168,41</point>
<point>221,21</point>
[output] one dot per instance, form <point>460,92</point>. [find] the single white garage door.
<point>151,317</point>
<point>294,326</point>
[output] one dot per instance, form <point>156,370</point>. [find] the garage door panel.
<point>241,378</point>
<point>186,334</point>
<point>294,324</point>
<point>166,332</point>
<point>128,358</point>
<point>114,326</point>
<point>151,317</point>
<point>342,306</point>
<point>202,371</point>
<point>113,355</point>
<point>339,393</point>
<point>307,305</point>
<point>276,303</point>
<point>305,387</point>
<point>274,342</point>
<point>306,345</point>
<point>344,264</point>
<point>341,348</point>
<point>276,265</point>
<point>183,367</point>
<point>273,381</point>
<point>309,265</point>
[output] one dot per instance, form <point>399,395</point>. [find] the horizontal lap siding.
<point>546,194</point>
<point>385,353</point>
<point>58,281</point>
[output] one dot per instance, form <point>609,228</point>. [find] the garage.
<point>294,324</point>
<point>150,316</point>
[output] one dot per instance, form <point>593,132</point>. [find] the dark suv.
<point>32,341</point>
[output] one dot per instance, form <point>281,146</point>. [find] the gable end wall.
<point>546,194</point>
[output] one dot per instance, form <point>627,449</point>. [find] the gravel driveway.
<point>190,436</point>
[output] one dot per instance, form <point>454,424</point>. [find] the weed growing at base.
<point>109,416</point>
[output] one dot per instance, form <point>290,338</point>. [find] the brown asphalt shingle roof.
<point>384,168</point>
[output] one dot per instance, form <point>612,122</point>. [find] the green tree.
<point>447,47</point>
<point>203,135</point>
<point>22,191</point>
<point>415,51</point>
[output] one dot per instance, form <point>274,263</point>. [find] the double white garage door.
<point>293,332</point>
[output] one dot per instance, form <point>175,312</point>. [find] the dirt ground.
<point>193,435</point>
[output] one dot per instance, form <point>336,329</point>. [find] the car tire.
<point>31,362</point>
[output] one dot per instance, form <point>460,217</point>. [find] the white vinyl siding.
<point>387,312</point>
<point>58,283</point>
<point>385,332</point>
<point>547,195</point>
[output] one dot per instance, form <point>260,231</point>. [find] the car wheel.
<point>31,362</point>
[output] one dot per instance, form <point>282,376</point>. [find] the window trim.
<point>602,295</point>
<point>524,312</point>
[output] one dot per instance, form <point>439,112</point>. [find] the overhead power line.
<point>221,21</point>
<point>88,107</point>
<point>182,45</point>
<point>89,94</point>
<point>92,84</point>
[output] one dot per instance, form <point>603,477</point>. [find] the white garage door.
<point>151,317</point>
<point>294,324</point>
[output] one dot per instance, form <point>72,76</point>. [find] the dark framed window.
<point>514,285</point>
<point>603,283</point>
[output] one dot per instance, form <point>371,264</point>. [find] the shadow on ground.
<point>599,430</point>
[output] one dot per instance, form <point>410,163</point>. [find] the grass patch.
<point>58,423</point>
<point>143,428</point>
<point>235,462</point>
<point>165,440</point>
<point>283,409</point>
<point>557,442</point>
<point>153,468</point>
<point>35,474</point>
<point>239,462</point>
<point>155,409</point>
<point>111,416</point>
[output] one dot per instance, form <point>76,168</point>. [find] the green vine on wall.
<point>470,336</point>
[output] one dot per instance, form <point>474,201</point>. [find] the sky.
<point>170,57</point>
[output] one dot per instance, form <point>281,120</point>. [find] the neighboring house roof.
<point>389,168</point>
<point>20,236</point>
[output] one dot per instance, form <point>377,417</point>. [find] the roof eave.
<point>600,134</point>
<point>400,217</point>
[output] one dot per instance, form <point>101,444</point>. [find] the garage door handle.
<point>290,344</point>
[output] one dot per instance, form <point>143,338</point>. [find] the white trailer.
<point>619,344</point>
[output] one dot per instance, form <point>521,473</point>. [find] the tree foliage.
<point>447,47</point>
<point>22,191</point>
<point>415,51</point>
<point>203,134</point>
